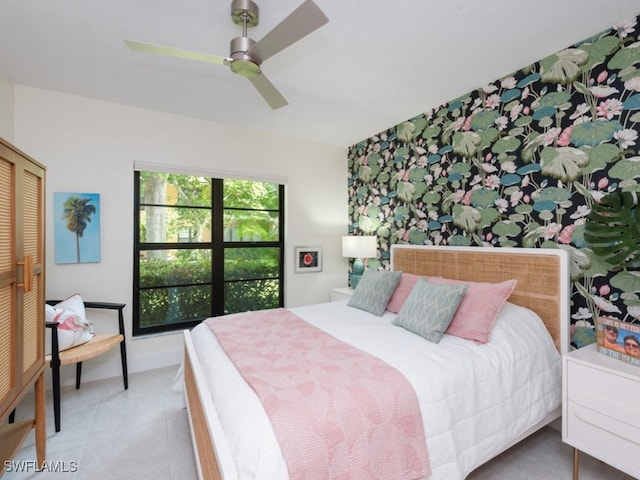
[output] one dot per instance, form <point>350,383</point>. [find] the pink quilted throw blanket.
<point>337,412</point>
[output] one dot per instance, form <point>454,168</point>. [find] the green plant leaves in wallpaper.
<point>506,230</point>
<point>593,133</point>
<point>484,198</point>
<point>466,144</point>
<point>627,281</point>
<point>601,156</point>
<point>506,144</point>
<point>632,103</point>
<point>626,168</point>
<point>563,67</point>
<point>599,50</point>
<point>563,163</point>
<point>624,57</point>
<point>517,162</point>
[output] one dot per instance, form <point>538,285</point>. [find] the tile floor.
<point>143,433</point>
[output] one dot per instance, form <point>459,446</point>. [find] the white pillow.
<point>73,327</point>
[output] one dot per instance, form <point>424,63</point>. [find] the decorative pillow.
<point>407,281</point>
<point>73,327</point>
<point>429,309</point>
<point>479,308</point>
<point>374,291</point>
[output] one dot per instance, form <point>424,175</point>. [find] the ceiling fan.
<point>246,55</point>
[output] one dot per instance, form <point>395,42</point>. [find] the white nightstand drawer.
<point>602,399</point>
<point>617,441</point>
<point>597,385</point>
<point>618,421</point>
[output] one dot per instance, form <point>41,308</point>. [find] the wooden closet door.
<point>7,284</point>
<point>30,190</point>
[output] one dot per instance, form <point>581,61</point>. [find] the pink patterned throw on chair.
<point>337,412</point>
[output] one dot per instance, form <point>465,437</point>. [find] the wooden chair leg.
<point>39,414</point>
<point>78,374</point>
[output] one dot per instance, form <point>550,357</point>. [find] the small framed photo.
<point>308,259</point>
<point>619,340</point>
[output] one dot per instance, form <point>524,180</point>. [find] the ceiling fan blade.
<point>300,23</point>
<point>271,95</point>
<point>173,52</point>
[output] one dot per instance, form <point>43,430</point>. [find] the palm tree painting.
<point>77,227</point>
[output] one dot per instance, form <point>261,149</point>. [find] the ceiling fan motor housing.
<point>245,10</point>
<point>244,61</point>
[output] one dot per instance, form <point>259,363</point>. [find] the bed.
<point>465,424</point>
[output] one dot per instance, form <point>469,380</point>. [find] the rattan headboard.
<point>542,274</point>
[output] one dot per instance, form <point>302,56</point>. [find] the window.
<point>204,247</point>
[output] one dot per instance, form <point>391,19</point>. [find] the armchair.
<point>98,345</point>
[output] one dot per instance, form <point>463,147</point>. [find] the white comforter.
<point>475,399</point>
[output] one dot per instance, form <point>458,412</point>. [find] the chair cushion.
<point>73,327</point>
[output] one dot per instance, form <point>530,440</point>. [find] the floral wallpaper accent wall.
<point>518,162</point>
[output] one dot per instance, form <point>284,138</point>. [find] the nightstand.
<point>600,413</point>
<point>343,293</point>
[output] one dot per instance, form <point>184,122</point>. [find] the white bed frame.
<point>543,286</point>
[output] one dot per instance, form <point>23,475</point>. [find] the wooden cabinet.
<point>600,410</point>
<point>22,263</point>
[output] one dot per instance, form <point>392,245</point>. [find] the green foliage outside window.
<point>176,284</point>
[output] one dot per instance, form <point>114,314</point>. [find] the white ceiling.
<point>375,64</point>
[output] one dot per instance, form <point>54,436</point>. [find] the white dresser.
<point>601,409</point>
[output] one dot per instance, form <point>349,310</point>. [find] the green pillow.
<point>374,291</point>
<point>429,309</point>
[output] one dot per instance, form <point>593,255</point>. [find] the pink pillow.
<point>407,281</point>
<point>479,308</point>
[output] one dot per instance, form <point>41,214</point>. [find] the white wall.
<point>91,146</point>
<point>6,108</point>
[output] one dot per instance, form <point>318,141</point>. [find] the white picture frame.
<point>307,259</point>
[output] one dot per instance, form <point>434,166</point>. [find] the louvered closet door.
<point>30,210</point>
<point>7,283</point>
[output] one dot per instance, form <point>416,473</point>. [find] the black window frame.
<point>217,245</point>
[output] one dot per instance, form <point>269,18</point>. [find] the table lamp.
<point>358,247</point>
